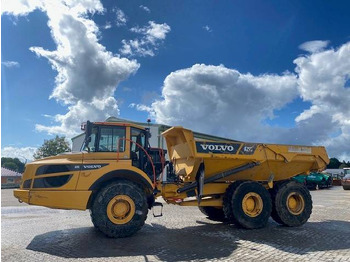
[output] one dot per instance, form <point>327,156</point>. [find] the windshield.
<point>105,139</point>
<point>109,139</point>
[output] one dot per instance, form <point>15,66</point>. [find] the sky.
<point>259,71</point>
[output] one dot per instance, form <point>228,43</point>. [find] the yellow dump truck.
<point>118,177</point>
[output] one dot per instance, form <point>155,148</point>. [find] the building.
<point>156,130</point>
<point>9,178</point>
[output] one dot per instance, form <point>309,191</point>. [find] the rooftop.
<point>8,172</point>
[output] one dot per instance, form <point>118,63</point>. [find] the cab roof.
<point>119,124</point>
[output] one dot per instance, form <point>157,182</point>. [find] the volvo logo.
<point>217,147</point>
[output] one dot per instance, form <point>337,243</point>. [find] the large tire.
<point>251,205</point>
<point>292,204</point>
<point>119,209</point>
<point>273,193</point>
<point>227,206</point>
<point>213,213</point>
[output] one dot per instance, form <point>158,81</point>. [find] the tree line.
<point>334,163</point>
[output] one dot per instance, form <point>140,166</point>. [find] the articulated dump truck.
<point>118,177</point>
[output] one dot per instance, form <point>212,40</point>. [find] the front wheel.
<point>292,204</point>
<point>119,209</point>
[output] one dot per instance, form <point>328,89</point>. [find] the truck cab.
<point>110,151</point>
<point>122,142</point>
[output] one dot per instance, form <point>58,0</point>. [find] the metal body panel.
<point>280,161</point>
<point>55,199</point>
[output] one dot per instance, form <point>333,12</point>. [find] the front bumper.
<point>21,195</point>
<point>54,199</point>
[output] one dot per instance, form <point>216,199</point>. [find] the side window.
<point>90,144</point>
<point>109,139</point>
<point>137,136</point>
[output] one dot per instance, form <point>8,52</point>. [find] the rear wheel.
<point>227,206</point>
<point>292,204</point>
<point>213,213</point>
<point>119,209</point>
<point>250,205</point>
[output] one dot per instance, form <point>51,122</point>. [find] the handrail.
<point>149,157</point>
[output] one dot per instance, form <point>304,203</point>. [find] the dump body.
<point>275,162</point>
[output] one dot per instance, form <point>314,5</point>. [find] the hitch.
<point>157,204</point>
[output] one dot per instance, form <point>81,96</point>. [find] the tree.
<point>343,165</point>
<point>12,163</point>
<point>334,163</point>
<point>52,147</point>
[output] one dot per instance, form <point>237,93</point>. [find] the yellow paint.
<point>295,203</point>
<point>121,209</point>
<point>252,204</point>
<point>55,199</point>
<point>217,202</point>
<point>22,195</point>
<point>283,161</point>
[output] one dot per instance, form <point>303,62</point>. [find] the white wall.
<point>77,142</point>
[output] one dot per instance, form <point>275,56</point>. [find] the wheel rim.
<point>252,204</point>
<point>295,203</point>
<point>120,209</point>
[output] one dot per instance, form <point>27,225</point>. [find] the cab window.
<point>137,136</point>
<point>109,139</point>
<point>89,145</point>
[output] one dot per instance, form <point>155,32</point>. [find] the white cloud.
<point>207,28</point>
<point>314,46</point>
<point>108,25</point>
<point>145,8</point>
<point>322,80</point>
<point>121,17</point>
<point>87,74</point>
<point>20,7</point>
<point>222,101</point>
<point>80,112</point>
<point>10,64</point>
<point>152,36</point>
<point>21,153</point>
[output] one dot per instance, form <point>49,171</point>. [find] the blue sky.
<point>230,68</point>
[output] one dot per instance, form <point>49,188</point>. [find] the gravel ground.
<point>31,233</point>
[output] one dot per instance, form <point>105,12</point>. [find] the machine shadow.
<point>166,244</point>
<point>205,241</point>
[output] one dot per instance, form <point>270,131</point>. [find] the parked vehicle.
<point>118,176</point>
<point>315,180</point>
<point>300,179</point>
<point>345,182</point>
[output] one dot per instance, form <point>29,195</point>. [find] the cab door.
<point>137,144</point>
<point>107,150</point>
